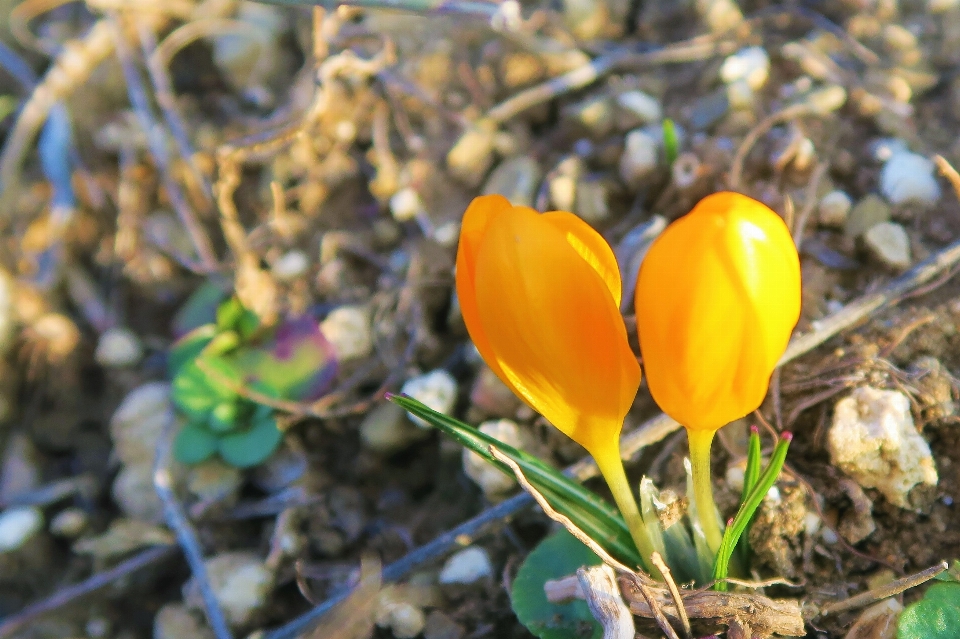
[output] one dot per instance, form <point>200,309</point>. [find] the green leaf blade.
<point>558,555</point>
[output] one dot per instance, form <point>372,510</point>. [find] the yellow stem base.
<point>700,442</point>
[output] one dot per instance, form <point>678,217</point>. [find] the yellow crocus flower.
<point>717,298</point>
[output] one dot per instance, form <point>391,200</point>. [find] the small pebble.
<point>349,332</point>
<point>404,620</point>
<point>118,347</point>
<point>834,208</point>
<point>176,621</point>
<point>491,395</point>
<point>719,15</point>
<point>751,64</point>
<point>828,99</point>
<point>865,214</point>
<point>873,440</point>
<point>290,266</point>
<point>214,481</point>
<point>136,425</point>
<point>885,148</point>
<point>563,183</point>
<point>889,242</point>
<point>643,106</point>
<point>471,157</point>
<point>240,582</point>
<point>591,205</point>
<point>386,430</point>
<point>908,177</point>
<point>133,491</point>
<point>516,179</point>
<point>639,157</point>
<point>466,567</point>
<point>440,626</point>
<point>406,205</point>
<point>17,525</point>
<point>447,234</point>
<point>493,482</point>
<point>437,389</point>
<point>69,523</point>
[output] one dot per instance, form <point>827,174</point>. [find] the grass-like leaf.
<point>671,145</point>
<point>750,476</point>
<point>747,508</point>
<point>587,510</point>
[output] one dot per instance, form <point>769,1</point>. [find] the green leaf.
<point>196,390</point>
<point>670,143</point>
<point>588,511</point>
<point>224,417</point>
<point>234,316</point>
<point>936,616</point>
<point>558,555</point>
<point>194,444</point>
<point>188,348</point>
<point>201,307</point>
<point>950,574</point>
<point>750,477</point>
<point>748,507</point>
<point>253,446</point>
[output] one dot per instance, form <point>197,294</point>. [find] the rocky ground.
<point>318,163</point>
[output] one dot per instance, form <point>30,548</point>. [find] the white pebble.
<point>447,234</point>
<point>348,330</point>
<point>489,478</point>
<point>406,204</point>
<point>908,177</point>
<point>889,242</point>
<point>642,105</point>
<point>240,582</point>
<point>834,208</point>
<point>69,522</point>
<point>751,64</point>
<point>118,347</point>
<point>829,536</point>
<point>387,430</point>
<point>563,186</point>
<point>404,620</point>
<point>740,95</point>
<point>437,389</point>
<point>639,157</point>
<point>873,439</point>
<point>17,525</point>
<point>290,266</point>
<point>466,567</point>
<point>136,425</point>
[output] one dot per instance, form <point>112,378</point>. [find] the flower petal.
<point>552,323</point>
<point>477,219</point>
<point>590,246</point>
<point>717,299</point>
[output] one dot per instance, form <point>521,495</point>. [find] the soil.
<point>356,138</point>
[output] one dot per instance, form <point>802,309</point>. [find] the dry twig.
<point>893,588</point>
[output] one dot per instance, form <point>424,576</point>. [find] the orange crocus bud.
<point>717,298</point>
<point>540,295</point>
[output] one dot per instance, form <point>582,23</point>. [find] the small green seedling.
<point>224,374</point>
<point>936,616</point>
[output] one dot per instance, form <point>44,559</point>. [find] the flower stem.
<point>611,467</point>
<point>700,441</point>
